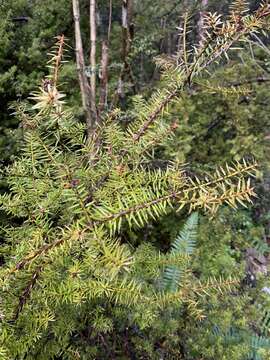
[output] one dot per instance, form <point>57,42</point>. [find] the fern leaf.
<point>186,240</point>
<point>185,244</point>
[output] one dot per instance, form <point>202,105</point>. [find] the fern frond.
<point>265,322</point>
<point>183,244</point>
<point>253,342</point>
<point>186,240</point>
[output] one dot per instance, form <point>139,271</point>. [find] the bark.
<point>93,41</point>
<point>126,26</point>
<point>127,36</point>
<point>104,76</point>
<point>110,22</point>
<point>59,56</point>
<point>103,100</point>
<point>84,86</point>
<point>204,4</point>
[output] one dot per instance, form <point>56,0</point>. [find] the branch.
<point>58,59</point>
<point>257,80</point>
<point>155,114</point>
<point>27,292</point>
<point>240,30</point>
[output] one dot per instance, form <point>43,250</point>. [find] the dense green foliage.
<point>94,265</point>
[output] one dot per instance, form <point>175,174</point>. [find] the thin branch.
<point>27,292</point>
<point>104,64</point>
<point>58,59</point>
<point>258,80</point>
<point>174,195</point>
<point>155,114</point>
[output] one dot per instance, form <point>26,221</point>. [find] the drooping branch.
<point>229,197</point>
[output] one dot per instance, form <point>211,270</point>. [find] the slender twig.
<point>258,80</point>
<point>58,59</point>
<point>27,292</point>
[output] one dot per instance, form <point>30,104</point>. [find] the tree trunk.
<point>84,86</point>
<point>204,4</point>
<point>93,41</point>
<point>126,27</point>
<point>104,76</point>
<point>127,36</point>
<point>110,22</point>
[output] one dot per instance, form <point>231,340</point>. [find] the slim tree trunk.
<point>126,27</point>
<point>204,4</point>
<point>84,86</point>
<point>93,41</point>
<point>110,22</point>
<point>182,54</point>
<point>127,36</point>
<point>104,76</point>
<point>103,99</point>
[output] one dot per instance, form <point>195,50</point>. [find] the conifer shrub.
<point>72,284</point>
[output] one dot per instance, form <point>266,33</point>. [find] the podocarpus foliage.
<point>68,270</point>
